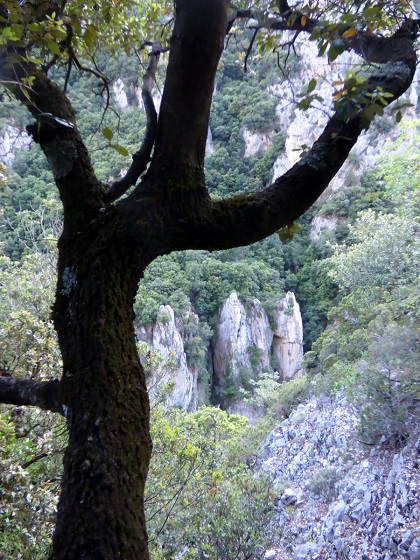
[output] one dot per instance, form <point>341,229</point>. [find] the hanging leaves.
<point>107,133</point>
<point>120,149</point>
<point>287,233</point>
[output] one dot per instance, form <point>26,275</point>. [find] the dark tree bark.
<point>26,392</point>
<point>107,243</point>
<point>100,513</point>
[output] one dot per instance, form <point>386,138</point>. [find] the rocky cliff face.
<point>339,499</point>
<point>246,343</point>
<point>11,140</point>
<point>167,338</point>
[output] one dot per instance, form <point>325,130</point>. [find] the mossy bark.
<point>100,513</point>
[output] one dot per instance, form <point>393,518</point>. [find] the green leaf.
<point>287,233</point>
<point>398,117</point>
<point>107,132</point>
<point>120,149</point>
<point>90,36</point>
<point>17,30</point>
<point>54,48</point>
<point>311,86</point>
<point>25,92</point>
<point>107,14</point>
<point>337,47</point>
<point>15,58</point>
<point>34,27</point>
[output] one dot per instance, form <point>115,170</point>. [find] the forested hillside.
<point>352,262</point>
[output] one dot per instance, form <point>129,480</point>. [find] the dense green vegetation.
<point>201,280</point>
<point>371,345</point>
<point>203,470</point>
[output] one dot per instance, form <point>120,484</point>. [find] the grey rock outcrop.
<point>247,340</point>
<point>255,141</point>
<point>239,333</point>
<point>287,346</point>
<point>246,343</point>
<point>179,378</point>
<point>12,139</point>
<point>352,501</point>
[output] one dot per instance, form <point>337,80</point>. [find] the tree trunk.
<point>100,512</point>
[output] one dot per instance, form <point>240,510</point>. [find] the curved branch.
<point>289,20</point>
<point>142,157</point>
<point>26,392</point>
<point>56,132</point>
<point>249,49</point>
<point>243,219</point>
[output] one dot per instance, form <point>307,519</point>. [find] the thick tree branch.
<point>398,47</point>
<point>56,132</point>
<point>142,157</point>
<point>289,20</point>
<point>294,20</point>
<point>245,219</point>
<point>26,392</point>
<point>196,45</point>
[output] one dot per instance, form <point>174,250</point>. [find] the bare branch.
<point>89,69</point>
<point>142,157</point>
<point>249,49</point>
<point>26,392</point>
<point>34,459</point>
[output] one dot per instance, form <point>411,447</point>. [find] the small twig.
<point>34,460</point>
<point>142,157</point>
<point>93,71</point>
<point>68,71</point>
<point>249,49</point>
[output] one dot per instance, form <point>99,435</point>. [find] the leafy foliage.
<point>203,498</point>
<point>371,346</point>
<point>203,281</point>
<point>277,399</point>
<point>30,467</point>
<point>28,340</point>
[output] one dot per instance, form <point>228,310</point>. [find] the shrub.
<point>322,483</point>
<point>276,398</point>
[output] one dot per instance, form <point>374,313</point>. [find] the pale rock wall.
<point>12,139</point>
<point>245,340</point>
<point>165,338</point>
<point>209,143</point>
<point>246,343</point>
<point>120,94</point>
<point>237,333</point>
<point>255,141</point>
<point>287,345</point>
<point>320,224</point>
<point>303,127</point>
